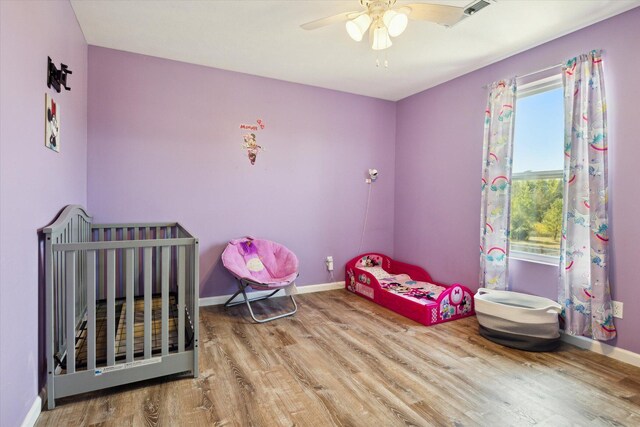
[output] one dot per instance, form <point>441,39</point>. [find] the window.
<point>538,162</point>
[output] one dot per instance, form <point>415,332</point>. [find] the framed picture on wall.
<point>52,124</point>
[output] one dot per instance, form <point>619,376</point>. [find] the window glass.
<point>538,160</point>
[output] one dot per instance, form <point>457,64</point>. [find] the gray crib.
<point>121,303</point>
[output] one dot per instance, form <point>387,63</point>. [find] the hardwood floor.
<point>342,360</point>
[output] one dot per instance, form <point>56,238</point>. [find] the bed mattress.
<point>404,286</point>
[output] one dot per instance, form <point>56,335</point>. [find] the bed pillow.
<point>377,272</point>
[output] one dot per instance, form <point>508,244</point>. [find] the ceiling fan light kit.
<point>380,20</point>
<point>381,39</point>
<point>395,22</point>
<point>384,21</point>
<point>358,27</point>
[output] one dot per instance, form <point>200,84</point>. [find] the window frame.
<point>529,89</point>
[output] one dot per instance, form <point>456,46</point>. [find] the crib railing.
<point>126,232</point>
<point>91,266</point>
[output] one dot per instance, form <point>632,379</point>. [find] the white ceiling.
<point>264,38</point>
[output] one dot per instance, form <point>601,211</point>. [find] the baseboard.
<point>616,353</point>
<point>33,414</point>
<point>300,290</point>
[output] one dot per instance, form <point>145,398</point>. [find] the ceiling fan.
<point>384,21</point>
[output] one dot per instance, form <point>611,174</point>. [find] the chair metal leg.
<point>248,302</point>
<point>231,304</point>
<point>228,303</point>
<point>268,319</point>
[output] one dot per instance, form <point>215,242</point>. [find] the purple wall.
<point>35,182</point>
<point>438,168</point>
<point>165,144</point>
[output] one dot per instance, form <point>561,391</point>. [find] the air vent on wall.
<point>474,8</point>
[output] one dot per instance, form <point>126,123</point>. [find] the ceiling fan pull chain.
<point>385,61</point>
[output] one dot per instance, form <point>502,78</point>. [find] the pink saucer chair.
<point>262,265</point>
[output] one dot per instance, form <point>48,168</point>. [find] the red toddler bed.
<point>407,289</point>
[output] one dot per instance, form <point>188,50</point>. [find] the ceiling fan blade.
<point>440,14</point>
<point>341,17</point>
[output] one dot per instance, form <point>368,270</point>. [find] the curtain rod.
<point>531,73</point>
<point>543,69</point>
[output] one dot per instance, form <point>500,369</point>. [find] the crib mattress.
<point>121,332</point>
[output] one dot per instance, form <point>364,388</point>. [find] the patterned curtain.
<point>584,279</point>
<point>496,185</point>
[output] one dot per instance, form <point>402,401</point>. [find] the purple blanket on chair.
<point>268,263</point>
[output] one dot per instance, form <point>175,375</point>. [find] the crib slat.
<point>158,267</point>
<point>91,309</point>
<point>80,302</point>
<point>165,299</point>
<point>195,315</point>
<point>61,292</point>
<point>172,258</point>
<point>101,255</point>
<point>187,276</point>
<point>70,290</point>
<point>129,298</point>
<point>63,281</point>
<point>181,285</point>
<point>136,261</point>
<point>59,308</point>
<point>87,238</point>
<point>82,257</point>
<point>122,269</point>
<point>147,302</point>
<point>78,270</point>
<point>111,307</point>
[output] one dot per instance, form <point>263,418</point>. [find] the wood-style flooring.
<point>342,360</point>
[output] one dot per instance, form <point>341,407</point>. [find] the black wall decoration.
<point>55,77</point>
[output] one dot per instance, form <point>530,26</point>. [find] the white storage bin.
<point>517,320</point>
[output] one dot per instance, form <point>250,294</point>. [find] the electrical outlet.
<point>617,309</point>
<point>329,262</point>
